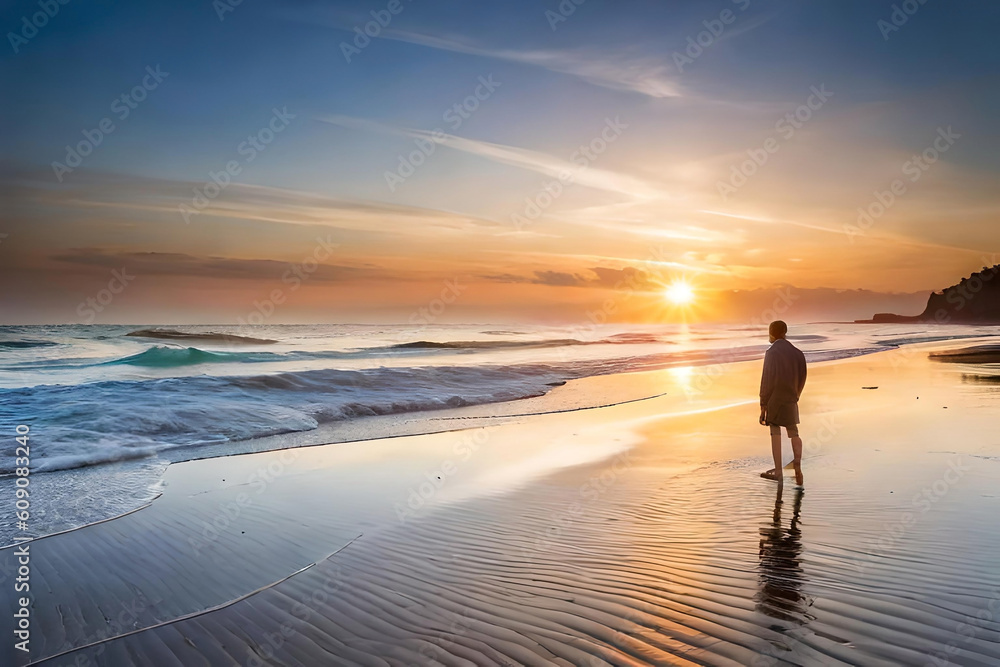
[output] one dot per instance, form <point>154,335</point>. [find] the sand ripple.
<point>706,569</point>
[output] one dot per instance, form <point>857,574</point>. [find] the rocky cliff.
<point>974,300</point>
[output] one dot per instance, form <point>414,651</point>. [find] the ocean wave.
<point>25,344</point>
<point>165,356</point>
<point>170,357</point>
<point>616,339</point>
<point>161,356</point>
<point>635,339</point>
<point>483,344</point>
<point>212,336</point>
<point>116,420</point>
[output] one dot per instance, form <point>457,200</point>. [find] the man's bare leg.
<point>797,461</point>
<point>776,473</point>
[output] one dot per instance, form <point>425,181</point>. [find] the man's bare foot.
<point>770,474</point>
<point>798,472</point>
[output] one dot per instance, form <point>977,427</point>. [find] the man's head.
<point>776,330</point>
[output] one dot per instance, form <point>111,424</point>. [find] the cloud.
<point>558,279</point>
<point>606,278</point>
<point>646,76</point>
<point>139,198</point>
<point>182,264</point>
<point>524,158</point>
<point>616,278</point>
<point>655,259</point>
<point>771,221</point>
<point>280,205</point>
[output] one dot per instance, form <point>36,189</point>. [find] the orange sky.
<point>577,158</point>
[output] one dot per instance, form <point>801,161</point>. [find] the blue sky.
<point>658,182</point>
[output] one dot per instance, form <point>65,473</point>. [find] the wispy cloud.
<point>524,158</point>
<point>881,235</point>
<point>606,278</point>
<point>155,200</point>
<point>772,221</point>
<point>746,27</point>
<point>227,268</point>
<point>650,76</point>
<point>561,257</point>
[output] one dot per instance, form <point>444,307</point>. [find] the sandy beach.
<point>638,533</point>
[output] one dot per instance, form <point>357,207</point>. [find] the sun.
<point>679,293</point>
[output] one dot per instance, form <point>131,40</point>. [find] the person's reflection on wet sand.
<point>780,569</point>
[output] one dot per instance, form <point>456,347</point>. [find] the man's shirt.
<point>781,383</point>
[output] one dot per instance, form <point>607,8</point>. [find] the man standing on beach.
<point>781,384</point>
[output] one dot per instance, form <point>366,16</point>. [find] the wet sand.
<point>633,534</point>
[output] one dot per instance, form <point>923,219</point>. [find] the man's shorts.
<point>793,431</point>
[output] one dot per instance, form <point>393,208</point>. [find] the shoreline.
<point>144,473</point>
